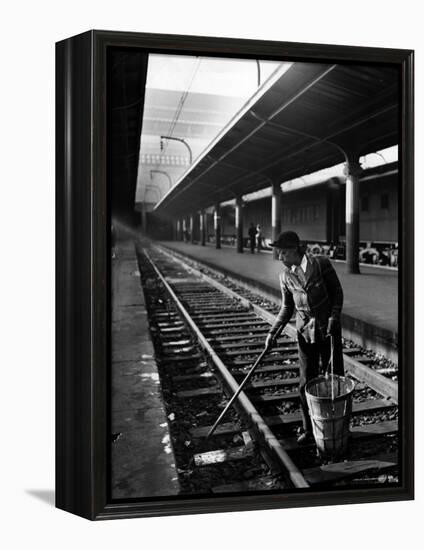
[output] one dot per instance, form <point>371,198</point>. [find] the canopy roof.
<point>306,121</point>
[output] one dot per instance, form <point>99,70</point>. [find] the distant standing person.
<point>259,237</point>
<point>252,238</point>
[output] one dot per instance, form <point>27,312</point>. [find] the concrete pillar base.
<point>217,225</point>
<point>352,171</point>
<point>202,228</point>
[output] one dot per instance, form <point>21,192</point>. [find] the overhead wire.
<point>181,103</point>
<point>178,111</point>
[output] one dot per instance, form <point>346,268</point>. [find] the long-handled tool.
<point>240,388</point>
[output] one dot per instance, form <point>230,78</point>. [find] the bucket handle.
<point>331,365</point>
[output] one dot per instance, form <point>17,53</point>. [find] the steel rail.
<point>376,381</point>
<point>259,426</point>
<point>170,264</point>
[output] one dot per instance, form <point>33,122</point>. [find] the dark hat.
<point>287,239</point>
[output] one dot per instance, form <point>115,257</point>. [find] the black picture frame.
<point>82,252</point>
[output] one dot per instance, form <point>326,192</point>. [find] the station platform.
<point>142,457</point>
<point>370,310</point>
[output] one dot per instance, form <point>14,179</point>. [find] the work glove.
<point>270,340</point>
<point>333,327</point>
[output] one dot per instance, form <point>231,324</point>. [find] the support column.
<point>217,225</point>
<point>191,228</point>
<point>276,214</point>
<point>352,172</point>
<point>184,229</point>
<point>239,224</point>
<point>202,228</point>
<point>333,211</point>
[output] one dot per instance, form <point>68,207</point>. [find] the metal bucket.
<point>329,400</point>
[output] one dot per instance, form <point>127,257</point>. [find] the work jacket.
<point>315,300</point>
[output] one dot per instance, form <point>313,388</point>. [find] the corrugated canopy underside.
<point>302,124</point>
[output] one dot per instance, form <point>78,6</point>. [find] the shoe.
<point>305,438</point>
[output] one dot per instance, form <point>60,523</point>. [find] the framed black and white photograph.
<point>234,274</point>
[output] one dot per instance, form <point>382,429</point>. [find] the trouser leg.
<point>338,355</point>
<point>308,369</point>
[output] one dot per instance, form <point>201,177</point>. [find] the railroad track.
<point>208,336</point>
<point>271,303</point>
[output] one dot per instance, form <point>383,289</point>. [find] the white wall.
<point>29,30</point>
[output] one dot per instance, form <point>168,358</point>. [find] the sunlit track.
<point>196,314</point>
